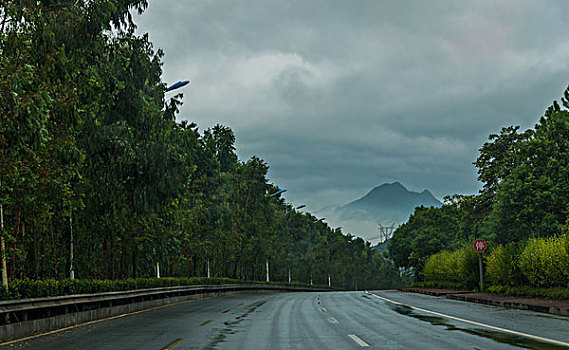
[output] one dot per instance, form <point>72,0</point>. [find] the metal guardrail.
<point>22,310</point>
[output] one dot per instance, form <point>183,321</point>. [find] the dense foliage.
<point>525,197</point>
<point>90,149</point>
<point>427,230</point>
<point>525,268</point>
<point>458,268</point>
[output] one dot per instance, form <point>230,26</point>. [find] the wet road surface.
<point>333,320</point>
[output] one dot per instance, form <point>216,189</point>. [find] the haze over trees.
<point>89,145</point>
<point>388,205</point>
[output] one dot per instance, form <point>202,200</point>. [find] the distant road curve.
<point>332,320</point>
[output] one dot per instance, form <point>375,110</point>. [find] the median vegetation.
<point>23,289</point>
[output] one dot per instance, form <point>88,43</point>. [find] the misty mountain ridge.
<point>394,197</point>
<point>387,204</point>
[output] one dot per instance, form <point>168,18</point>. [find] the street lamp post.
<point>310,248</point>
<point>330,259</point>
<point>177,85</point>
<point>174,86</point>
<point>267,261</point>
<point>278,192</point>
<point>289,257</point>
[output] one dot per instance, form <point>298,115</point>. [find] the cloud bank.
<point>339,97</point>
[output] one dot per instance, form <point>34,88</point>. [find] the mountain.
<point>388,204</point>
<point>391,202</point>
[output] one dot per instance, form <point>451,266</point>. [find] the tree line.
<point>91,153</point>
<point>524,195</point>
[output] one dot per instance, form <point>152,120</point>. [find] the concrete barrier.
<point>25,317</point>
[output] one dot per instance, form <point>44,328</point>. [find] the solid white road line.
<point>531,336</point>
<point>358,340</point>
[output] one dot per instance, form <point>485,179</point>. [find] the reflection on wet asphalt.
<point>500,337</point>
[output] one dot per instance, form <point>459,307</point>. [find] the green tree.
<point>428,231</point>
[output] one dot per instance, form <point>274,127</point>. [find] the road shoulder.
<point>555,307</point>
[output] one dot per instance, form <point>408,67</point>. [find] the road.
<point>333,320</point>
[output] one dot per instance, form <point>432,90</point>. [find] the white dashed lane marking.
<point>358,340</point>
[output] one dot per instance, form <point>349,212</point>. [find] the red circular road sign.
<point>480,245</point>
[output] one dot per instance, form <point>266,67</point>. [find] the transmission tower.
<point>384,232</point>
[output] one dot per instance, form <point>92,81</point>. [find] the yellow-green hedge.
<point>459,267</point>
<point>502,265</point>
<point>545,262</point>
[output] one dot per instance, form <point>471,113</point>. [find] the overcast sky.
<point>341,96</point>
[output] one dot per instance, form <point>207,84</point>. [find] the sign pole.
<point>480,246</point>
<point>481,271</point>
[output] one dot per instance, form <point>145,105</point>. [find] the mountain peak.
<point>393,200</point>
<point>395,184</point>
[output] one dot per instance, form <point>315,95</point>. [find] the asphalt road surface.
<point>333,320</point>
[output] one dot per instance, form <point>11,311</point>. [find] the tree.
<point>428,231</point>
<point>533,199</point>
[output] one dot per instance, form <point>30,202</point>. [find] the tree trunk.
<point>17,221</point>
<point>134,262</point>
<point>234,274</point>
<point>21,248</point>
<point>34,255</point>
<point>43,257</point>
<point>123,261</point>
<point>53,254</point>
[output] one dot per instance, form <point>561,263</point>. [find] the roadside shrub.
<point>459,268</point>
<point>469,267</point>
<point>441,267</point>
<point>502,265</point>
<point>545,262</point>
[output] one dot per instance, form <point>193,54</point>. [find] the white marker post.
<point>208,273</point>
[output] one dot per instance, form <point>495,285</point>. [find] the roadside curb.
<point>433,292</point>
<point>541,305</point>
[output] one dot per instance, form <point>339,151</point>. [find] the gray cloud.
<point>339,97</point>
